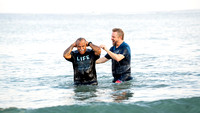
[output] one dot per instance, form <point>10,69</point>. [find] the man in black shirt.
<point>120,53</point>
<point>83,61</point>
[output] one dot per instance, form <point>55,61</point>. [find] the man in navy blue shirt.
<point>83,61</point>
<point>120,54</point>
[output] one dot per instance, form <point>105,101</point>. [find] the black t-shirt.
<point>124,66</point>
<point>84,67</point>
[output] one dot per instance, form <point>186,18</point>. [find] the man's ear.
<point>120,37</point>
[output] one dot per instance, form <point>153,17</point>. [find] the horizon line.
<point>99,13</point>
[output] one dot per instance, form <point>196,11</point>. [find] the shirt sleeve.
<point>72,57</point>
<point>125,51</point>
<point>95,56</point>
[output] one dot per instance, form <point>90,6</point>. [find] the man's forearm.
<point>117,57</point>
<point>102,60</point>
<point>95,48</point>
<point>67,52</point>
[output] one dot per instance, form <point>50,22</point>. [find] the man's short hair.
<point>119,32</point>
<point>80,39</point>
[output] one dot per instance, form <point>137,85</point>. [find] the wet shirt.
<point>123,66</point>
<point>84,67</point>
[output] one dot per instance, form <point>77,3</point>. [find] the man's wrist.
<point>73,45</point>
<point>89,43</point>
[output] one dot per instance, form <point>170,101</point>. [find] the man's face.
<point>81,46</point>
<point>114,38</point>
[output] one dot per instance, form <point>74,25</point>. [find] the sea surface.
<point>165,49</point>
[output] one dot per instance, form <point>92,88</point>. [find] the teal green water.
<point>186,105</point>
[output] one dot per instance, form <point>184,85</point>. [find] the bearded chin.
<point>114,43</point>
<point>81,51</point>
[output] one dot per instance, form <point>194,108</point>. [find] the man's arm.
<point>101,60</point>
<point>67,52</point>
<point>117,57</point>
<point>96,49</point>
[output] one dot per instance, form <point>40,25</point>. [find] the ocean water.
<point>165,49</point>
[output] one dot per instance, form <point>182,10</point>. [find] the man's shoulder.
<point>126,47</point>
<point>89,50</point>
<point>125,44</point>
<point>75,52</point>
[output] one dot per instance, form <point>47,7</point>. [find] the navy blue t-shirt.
<point>122,67</point>
<point>84,67</point>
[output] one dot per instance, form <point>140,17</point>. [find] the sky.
<point>95,6</point>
